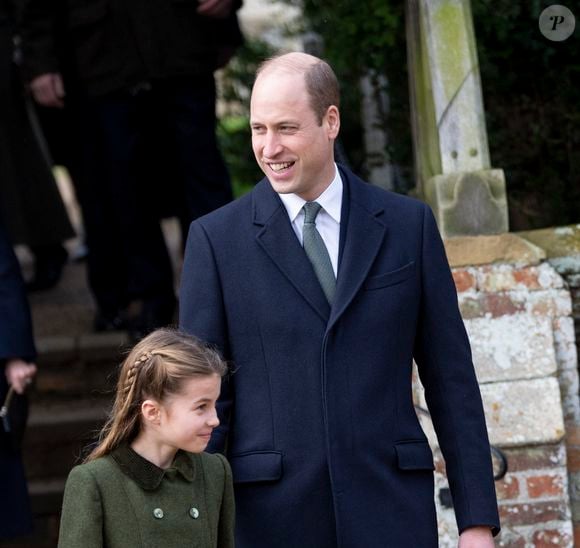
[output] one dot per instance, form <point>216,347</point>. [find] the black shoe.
<point>48,265</point>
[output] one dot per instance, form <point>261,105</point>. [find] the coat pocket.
<point>414,455</point>
<point>256,466</point>
<point>390,278</point>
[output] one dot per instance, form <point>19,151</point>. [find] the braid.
<point>134,369</point>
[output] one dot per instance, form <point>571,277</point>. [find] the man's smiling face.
<point>292,147</point>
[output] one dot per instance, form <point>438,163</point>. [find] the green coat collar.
<point>147,475</point>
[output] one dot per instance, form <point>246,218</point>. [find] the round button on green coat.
<point>194,512</point>
<point>158,513</point>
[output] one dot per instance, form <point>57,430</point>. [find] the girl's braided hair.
<point>155,368</point>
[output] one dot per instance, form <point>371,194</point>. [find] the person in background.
<point>154,84</point>
<point>30,203</point>
<point>17,369</point>
<point>148,478</point>
<point>321,290</point>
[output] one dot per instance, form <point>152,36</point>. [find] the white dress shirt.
<point>327,220</point>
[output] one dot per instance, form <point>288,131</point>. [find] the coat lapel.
<point>363,233</point>
<point>277,238</point>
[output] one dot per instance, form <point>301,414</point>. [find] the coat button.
<point>158,513</point>
<point>194,512</point>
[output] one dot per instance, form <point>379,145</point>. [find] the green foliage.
<point>531,110</point>
<point>357,35</point>
<point>360,37</point>
<point>235,142</point>
<point>238,76</point>
<point>233,127</point>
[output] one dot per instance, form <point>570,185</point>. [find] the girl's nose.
<point>213,420</point>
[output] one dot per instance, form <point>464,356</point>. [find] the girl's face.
<point>187,419</point>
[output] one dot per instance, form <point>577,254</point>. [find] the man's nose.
<point>272,145</point>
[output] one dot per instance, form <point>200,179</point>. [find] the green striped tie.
<point>316,250</point>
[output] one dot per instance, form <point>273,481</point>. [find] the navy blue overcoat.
<point>15,342</point>
<point>317,419</point>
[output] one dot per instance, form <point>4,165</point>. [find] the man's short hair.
<point>321,82</point>
<point>322,87</point>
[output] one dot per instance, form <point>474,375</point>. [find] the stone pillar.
<point>450,138</point>
<point>517,311</point>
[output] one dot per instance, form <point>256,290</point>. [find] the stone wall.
<point>518,314</point>
<point>562,248</point>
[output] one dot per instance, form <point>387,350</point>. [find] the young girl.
<point>148,482</point>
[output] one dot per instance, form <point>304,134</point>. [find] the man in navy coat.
<point>317,418</point>
<point>16,354</point>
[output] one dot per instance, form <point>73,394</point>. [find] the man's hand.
<point>215,8</point>
<point>48,90</point>
<point>476,537</point>
<point>19,374</point>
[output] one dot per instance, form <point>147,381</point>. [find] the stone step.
<point>58,433</point>
<point>46,496</point>
<point>78,366</point>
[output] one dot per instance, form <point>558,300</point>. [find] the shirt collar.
<point>147,475</point>
<point>330,200</point>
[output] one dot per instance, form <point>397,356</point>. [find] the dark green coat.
<point>124,501</point>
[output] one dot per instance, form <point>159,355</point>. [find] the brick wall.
<point>518,317</point>
<point>569,268</point>
<point>533,498</point>
<point>562,248</point>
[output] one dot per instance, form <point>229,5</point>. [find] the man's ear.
<point>332,120</point>
<point>151,412</point>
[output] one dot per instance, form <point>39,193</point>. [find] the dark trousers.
<point>72,137</point>
<point>153,153</point>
